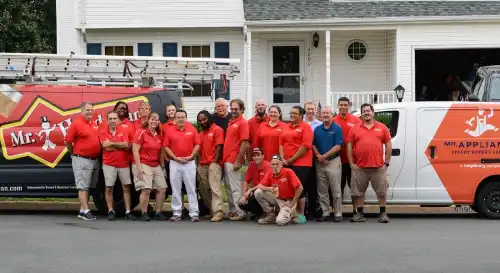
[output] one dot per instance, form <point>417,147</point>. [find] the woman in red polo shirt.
<point>147,169</point>
<point>269,133</point>
<point>295,150</point>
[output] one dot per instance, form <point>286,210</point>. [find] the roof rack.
<point>31,68</point>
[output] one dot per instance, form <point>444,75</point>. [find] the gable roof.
<point>263,10</point>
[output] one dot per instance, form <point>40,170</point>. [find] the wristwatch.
<point>387,164</point>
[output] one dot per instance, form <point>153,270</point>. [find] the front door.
<point>287,75</point>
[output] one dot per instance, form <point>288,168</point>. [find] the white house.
<point>292,51</point>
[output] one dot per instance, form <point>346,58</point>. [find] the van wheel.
<point>488,201</point>
<point>99,197</point>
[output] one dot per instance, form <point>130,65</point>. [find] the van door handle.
<point>396,152</point>
<point>432,151</point>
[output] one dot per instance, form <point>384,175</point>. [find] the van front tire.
<point>488,201</point>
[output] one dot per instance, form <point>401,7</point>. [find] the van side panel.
<point>34,159</point>
<point>430,189</point>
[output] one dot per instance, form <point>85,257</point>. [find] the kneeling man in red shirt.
<point>278,194</point>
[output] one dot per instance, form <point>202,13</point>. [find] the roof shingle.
<point>260,10</point>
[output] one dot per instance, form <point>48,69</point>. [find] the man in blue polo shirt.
<point>326,147</point>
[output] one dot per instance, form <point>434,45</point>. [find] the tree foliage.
<point>28,26</point>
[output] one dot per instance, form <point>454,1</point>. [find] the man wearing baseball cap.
<point>257,170</point>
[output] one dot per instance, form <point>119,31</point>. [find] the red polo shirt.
<point>294,137</point>
<point>209,140</point>
<point>287,182</point>
<point>368,144</point>
<point>181,142</point>
<point>237,131</point>
<point>85,137</point>
<point>345,123</point>
<point>150,147</point>
<point>137,125</point>
<point>254,127</point>
<point>269,138</point>
<point>170,124</point>
<point>117,158</point>
<point>255,173</point>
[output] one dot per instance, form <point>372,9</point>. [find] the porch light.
<point>400,92</point>
<point>316,39</point>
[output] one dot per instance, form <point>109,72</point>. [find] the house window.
<point>356,50</point>
<point>196,51</point>
<point>119,50</point>
<point>200,89</point>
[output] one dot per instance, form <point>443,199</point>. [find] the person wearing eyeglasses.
<point>295,150</point>
<point>278,194</point>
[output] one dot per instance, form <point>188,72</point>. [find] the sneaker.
<point>322,218</point>
<point>88,216</point>
<point>208,216</point>
<point>337,219</point>
<point>145,217</point>
<point>219,216</point>
<point>129,216</point>
<point>301,219</point>
<point>195,219</point>
<point>175,218</point>
<point>358,217</point>
<point>238,217</point>
<point>159,216</point>
<point>80,215</point>
<point>269,218</point>
<point>229,215</point>
<point>111,215</point>
<point>384,218</point>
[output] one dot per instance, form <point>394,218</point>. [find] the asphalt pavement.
<point>39,243</point>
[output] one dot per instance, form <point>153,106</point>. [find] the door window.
<point>286,74</point>
<point>390,119</point>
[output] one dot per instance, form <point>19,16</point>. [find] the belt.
<point>332,157</point>
<point>86,157</point>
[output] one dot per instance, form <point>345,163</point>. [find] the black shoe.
<point>145,217</point>
<point>337,219</point>
<point>130,216</point>
<point>111,215</point>
<point>321,219</point>
<point>88,216</point>
<point>160,217</point>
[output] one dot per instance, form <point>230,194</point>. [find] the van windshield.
<point>495,88</point>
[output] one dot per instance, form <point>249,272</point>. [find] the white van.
<point>444,153</point>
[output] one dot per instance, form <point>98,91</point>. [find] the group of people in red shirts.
<point>280,180</point>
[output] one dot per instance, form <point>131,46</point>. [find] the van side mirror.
<point>473,97</point>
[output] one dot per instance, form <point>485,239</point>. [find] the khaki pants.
<point>269,202</point>
<point>233,179</point>
<point>329,176</point>
<point>211,186</point>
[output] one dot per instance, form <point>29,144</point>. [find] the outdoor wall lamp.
<point>316,39</point>
<point>400,92</point>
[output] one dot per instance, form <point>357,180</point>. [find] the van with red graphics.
<point>40,94</point>
<point>444,154</point>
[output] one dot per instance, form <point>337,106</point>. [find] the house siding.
<point>163,13</point>
<point>391,59</point>
<point>437,36</point>
<point>68,37</point>
<point>158,38</point>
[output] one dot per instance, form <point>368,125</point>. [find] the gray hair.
<point>84,104</point>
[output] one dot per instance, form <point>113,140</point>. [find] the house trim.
<point>377,20</point>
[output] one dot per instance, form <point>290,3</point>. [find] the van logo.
<point>459,151</point>
<point>40,132</point>
<point>481,123</point>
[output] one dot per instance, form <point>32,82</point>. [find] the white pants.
<point>235,181</point>
<point>183,173</point>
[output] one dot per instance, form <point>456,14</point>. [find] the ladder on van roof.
<point>31,68</point>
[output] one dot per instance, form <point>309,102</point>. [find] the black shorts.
<point>303,175</point>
